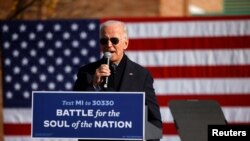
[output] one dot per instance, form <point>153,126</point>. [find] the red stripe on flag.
<point>184,19</point>
<point>200,71</point>
<point>223,99</point>
<point>169,128</point>
<point>17,129</point>
<point>247,124</point>
<point>24,129</point>
<point>190,43</point>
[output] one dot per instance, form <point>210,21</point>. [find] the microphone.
<point>107,56</point>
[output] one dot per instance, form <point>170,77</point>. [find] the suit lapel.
<point>128,77</point>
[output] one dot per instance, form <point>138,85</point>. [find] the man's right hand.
<point>102,71</point>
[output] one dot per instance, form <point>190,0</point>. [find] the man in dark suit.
<point>123,74</point>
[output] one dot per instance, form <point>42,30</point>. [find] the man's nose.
<point>109,44</point>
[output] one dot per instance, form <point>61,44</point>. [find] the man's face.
<point>113,41</point>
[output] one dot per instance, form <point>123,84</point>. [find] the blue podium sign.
<point>88,115</point>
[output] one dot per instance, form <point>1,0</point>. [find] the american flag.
<point>189,58</point>
<point>41,55</point>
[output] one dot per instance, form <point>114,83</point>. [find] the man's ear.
<point>125,44</point>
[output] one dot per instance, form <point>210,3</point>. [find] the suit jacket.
<point>135,78</point>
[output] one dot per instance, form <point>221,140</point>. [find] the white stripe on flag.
<point>232,114</point>
<point>28,138</point>
<point>170,138</point>
<point>188,29</point>
<point>154,58</point>
<point>204,86</point>
<point>17,115</point>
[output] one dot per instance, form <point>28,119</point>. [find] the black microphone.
<point>107,56</point>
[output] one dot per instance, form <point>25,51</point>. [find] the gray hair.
<point>111,22</point>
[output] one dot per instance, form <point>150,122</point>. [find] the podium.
<point>192,117</point>
<point>151,131</point>
<point>92,116</point>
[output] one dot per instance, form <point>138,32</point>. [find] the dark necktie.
<point>111,83</point>
<point>113,68</point>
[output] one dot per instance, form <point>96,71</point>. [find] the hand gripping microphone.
<point>107,56</point>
